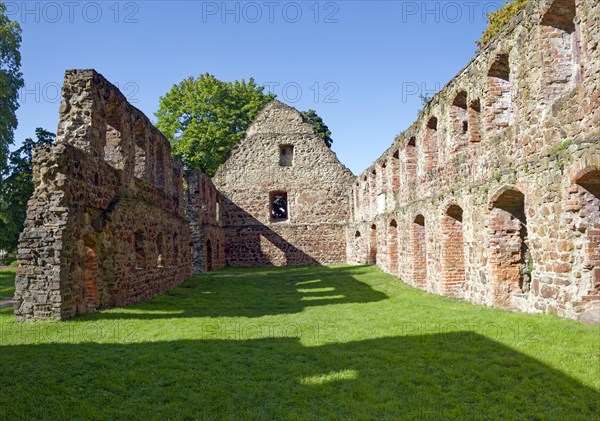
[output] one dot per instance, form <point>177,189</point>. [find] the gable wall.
<point>317,191</point>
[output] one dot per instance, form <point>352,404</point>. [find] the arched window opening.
<point>384,176</point>
<point>411,157</point>
<point>431,144</point>
<point>395,170</point>
<point>141,162</point>
<point>90,275</point>
<point>114,153</point>
<point>392,242</point>
<point>373,245</point>
<point>509,255</point>
<point>589,213</point>
<point>499,94</point>
<point>474,118</point>
<point>419,252</point>
<point>453,251</point>
<point>561,50</point>
<point>460,122</point>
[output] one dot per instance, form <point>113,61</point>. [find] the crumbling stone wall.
<point>285,198</point>
<point>492,195</point>
<point>204,215</point>
<point>105,225</point>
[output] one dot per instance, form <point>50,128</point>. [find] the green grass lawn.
<point>303,344</point>
<point>7,284</point>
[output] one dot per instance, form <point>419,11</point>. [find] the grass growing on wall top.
<point>498,19</point>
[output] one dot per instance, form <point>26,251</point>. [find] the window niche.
<point>411,158</point>
<point>499,94</point>
<point>431,144</point>
<point>279,206</point>
<point>286,155</point>
<point>474,121</point>
<point>561,50</point>
<point>460,126</point>
<point>395,169</point>
<point>113,149</point>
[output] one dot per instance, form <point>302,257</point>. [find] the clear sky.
<point>360,64</point>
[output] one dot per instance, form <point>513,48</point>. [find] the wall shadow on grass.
<point>7,284</point>
<point>447,376</point>
<point>253,292</point>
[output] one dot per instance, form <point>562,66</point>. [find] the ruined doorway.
<point>90,275</point>
<point>393,247</point>
<point>509,259</point>
<point>419,252</point>
<point>589,198</point>
<point>373,245</point>
<point>453,251</point>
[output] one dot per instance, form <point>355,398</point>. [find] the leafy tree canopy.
<point>312,118</point>
<point>11,81</point>
<point>16,189</point>
<point>204,118</point>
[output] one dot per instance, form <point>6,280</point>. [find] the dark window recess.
<point>286,155</point>
<point>279,206</point>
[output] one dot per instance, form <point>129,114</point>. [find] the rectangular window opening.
<point>279,206</point>
<point>286,155</point>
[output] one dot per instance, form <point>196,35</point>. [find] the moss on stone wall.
<point>498,19</point>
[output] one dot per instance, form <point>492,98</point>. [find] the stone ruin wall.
<point>105,225</point>
<point>493,194</point>
<point>204,215</point>
<point>281,154</point>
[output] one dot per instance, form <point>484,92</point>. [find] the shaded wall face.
<point>105,225</point>
<point>203,211</point>
<point>521,117</point>
<point>286,197</point>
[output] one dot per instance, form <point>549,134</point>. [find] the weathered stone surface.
<point>281,155</point>
<point>105,225</point>
<point>493,194</point>
<point>591,316</point>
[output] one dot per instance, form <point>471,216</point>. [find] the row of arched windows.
<point>509,259</point>
<point>471,117</point>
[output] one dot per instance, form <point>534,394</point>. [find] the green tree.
<point>204,118</point>
<point>17,188</point>
<point>11,81</point>
<point>498,19</point>
<point>312,118</point>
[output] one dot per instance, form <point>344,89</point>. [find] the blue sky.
<point>360,64</point>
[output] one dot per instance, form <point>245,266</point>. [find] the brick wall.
<point>281,155</point>
<point>105,225</point>
<point>532,134</point>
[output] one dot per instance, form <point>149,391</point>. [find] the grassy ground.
<point>303,344</point>
<point>7,283</point>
